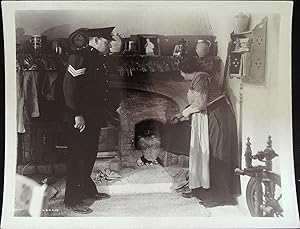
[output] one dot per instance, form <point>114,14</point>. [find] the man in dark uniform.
<point>85,90</point>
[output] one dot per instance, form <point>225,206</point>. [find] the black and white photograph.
<point>165,114</point>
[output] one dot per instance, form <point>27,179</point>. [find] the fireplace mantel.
<point>129,65</point>
<point>123,65</point>
<point>167,83</point>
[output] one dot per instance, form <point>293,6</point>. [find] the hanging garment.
<point>30,87</point>
<point>20,101</point>
<point>49,85</point>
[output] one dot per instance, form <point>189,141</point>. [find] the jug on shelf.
<point>117,43</point>
<point>241,22</point>
<point>202,48</point>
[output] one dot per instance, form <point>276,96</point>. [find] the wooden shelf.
<point>240,34</point>
<point>239,51</point>
<point>123,64</point>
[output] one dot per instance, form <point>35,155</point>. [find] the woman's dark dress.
<point>223,145</point>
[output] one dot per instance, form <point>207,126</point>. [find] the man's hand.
<point>176,118</point>
<point>79,123</point>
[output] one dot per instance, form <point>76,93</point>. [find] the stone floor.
<point>140,192</point>
<point>140,179</point>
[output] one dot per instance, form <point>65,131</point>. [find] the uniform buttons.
<point>106,91</point>
<point>106,81</point>
<point>105,99</point>
<point>97,69</point>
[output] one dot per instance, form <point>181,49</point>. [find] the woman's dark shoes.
<point>211,204</point>
<point>97,196</point>
<point>80,208</point>
<point>187,194</point>
<point>180,187</point>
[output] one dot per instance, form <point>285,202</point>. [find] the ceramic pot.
<point>202,48</point>
<point>116,45</point>
<point>241,23</point>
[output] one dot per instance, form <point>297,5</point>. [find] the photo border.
<point>286,161</point>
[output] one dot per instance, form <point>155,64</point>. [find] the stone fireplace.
<point>142,113</point>
<point>152,91</point>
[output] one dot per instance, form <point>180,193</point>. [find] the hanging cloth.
<point>49,85</point>
<point>31,94</point>
<point>20,102</point>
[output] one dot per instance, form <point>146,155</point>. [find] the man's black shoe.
<point>97,196</point>
<point>79,208</point>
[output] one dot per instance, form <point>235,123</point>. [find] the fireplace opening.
<point>149,139</point>
<point>148,128</point>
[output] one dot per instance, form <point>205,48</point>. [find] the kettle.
<point>202,48</point>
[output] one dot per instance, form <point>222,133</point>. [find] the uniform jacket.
<point>85,87</point>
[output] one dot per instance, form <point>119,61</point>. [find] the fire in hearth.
<point>148,138</point>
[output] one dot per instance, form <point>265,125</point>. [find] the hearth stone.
<point>113,164</point>
<point>130,158</point>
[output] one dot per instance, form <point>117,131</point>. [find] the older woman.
<point>213,152</point>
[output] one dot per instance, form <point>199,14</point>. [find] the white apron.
<point>199,152</point>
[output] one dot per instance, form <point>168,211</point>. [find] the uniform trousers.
<point>82,153</point>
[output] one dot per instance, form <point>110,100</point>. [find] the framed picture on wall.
<point>148,44</point>
<point>177,50</point>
